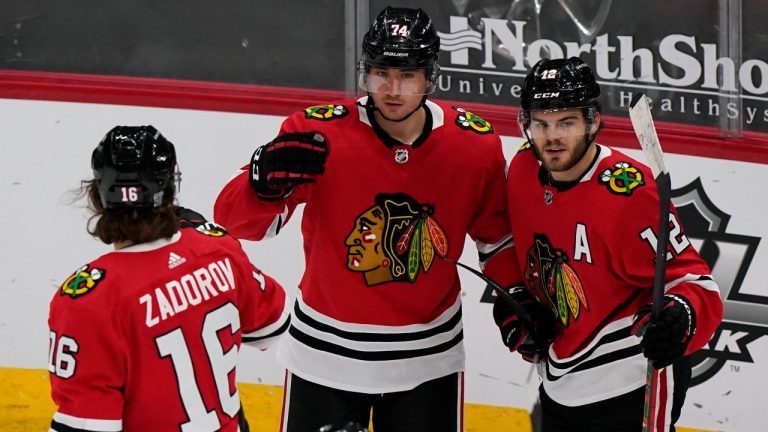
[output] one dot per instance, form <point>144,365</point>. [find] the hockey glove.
<point>286,161</point>
<point>667,339</point>
<point>189,218</point>
<point>530,340</point>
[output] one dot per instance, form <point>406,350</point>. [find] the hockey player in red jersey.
<point>391,182</point>
<point>583,219</point>
<point>146,338</point>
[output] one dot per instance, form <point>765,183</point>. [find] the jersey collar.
<point>390,142</point>
<point>561,186</point>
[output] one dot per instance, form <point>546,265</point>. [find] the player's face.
<point>396,92</point>
<point>365,251</point>
<point>560,141</point>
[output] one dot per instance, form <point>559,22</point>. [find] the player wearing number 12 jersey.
<point>146,338</point>
<point>584,218</point>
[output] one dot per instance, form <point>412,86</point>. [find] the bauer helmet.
<point>401,38</point>
<point>133,167</point>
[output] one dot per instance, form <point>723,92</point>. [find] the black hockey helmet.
<point>133,166</point>
<point>559,84</point>
<point>401,38</point>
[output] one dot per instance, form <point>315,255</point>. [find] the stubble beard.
<point>571,158</point>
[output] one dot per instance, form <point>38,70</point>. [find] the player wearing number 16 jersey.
<point>146,338</point>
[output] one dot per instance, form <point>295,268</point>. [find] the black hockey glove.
<point>286,161</point>
<point>667,339</point>
<point>530,340</point>
<point>189,218</point>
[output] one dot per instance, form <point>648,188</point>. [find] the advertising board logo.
<point>688,76</point>
<point>615,57</point>
<point>729,255</point>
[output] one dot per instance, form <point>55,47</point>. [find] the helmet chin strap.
<point>375,108</point>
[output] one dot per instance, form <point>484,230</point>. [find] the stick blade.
<point>642,123</point>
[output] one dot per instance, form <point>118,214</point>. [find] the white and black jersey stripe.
<point>67,423</point>
<point>612,364</point>
<point>486,251</point>
<point>267,336</point>
<point>372,358</point>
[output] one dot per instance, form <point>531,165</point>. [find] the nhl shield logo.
<point>401,156</point>
<point>729,255</point>
<point>548,196</point>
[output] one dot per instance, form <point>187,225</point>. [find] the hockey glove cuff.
<point>288,160</point>
<point>666,340</point>
<point>533,338</point>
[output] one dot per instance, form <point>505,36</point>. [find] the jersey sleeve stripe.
<point>264,336</point>
<point>704,281</point>
<point>68,423</point>
<point>277,224</point>
<point>487,251</point>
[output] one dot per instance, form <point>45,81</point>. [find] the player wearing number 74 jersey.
<point>146,338</point>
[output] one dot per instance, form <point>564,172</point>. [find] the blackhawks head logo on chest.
<point>394,239</point>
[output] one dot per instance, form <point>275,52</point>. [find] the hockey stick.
<point>642,123</point>
<point>523,314</point>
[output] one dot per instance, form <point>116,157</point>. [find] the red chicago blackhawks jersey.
<point>588,249</point>
<point>379,308</point>
<point>147,338</point>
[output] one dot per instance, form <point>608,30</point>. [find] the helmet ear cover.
<point>134,166</point>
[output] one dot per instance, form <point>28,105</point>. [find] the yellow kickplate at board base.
<point>26,406</point>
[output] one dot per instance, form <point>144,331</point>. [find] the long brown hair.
<point>135,225</point>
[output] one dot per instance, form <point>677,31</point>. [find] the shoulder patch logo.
<point>622,179</point>
<point>395,238</point>
<point>325,112</point>
<point>211,229</point>
<point>524,146</point>
<point>468,121</point>
<point>82,281</point>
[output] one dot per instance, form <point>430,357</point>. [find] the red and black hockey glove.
<point>288,160</point>
<point>667,339</point>
<point>529,339</point>
<point>189,218</point>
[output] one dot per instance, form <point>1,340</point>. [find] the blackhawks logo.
<point>394,239</point>
<point>554,281</point>
<point>622,179</point>
<point>467,120</point>
<point>325,112</point>
<point>211,229</point>
<point>82,281</point>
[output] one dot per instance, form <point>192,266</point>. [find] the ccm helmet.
<point>560,84</point>
<point>133,167</point>
<point>401,38</point>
